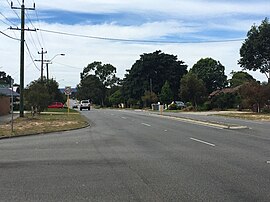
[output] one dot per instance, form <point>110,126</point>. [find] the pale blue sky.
<point>188,22</point>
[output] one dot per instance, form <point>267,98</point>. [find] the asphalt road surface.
<point>136,156</point>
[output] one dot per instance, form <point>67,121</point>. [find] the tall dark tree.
<point>150,72</point>
<point>37,95</point>
<point>255,51</point>
<point>192,89</point>
<point>91,88</point>
<point>212,73</point>
<point>106,73</point>
<point>40,94</point>
<point>166,94</point>
<point>4,78</point>
<point>96,78</point>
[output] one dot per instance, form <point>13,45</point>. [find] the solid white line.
<point>123,117</point>
<point>203,142</point>
<point>146,124</point>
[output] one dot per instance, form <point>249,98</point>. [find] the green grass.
<point>61,110</point>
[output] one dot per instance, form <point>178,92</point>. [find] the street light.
<point>47,62</point>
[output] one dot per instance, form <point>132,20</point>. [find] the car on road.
<point>75,105</point>
<point>85,104</point>
<point>56,105</point>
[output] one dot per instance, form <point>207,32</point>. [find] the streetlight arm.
<point>61,54</point>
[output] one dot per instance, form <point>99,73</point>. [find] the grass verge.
<point>47,122</point>
<point>248,116</point>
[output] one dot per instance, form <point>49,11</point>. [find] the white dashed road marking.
<point>145,124</point>
<point>201,141</point>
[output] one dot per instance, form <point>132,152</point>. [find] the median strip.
<point>204,123</point>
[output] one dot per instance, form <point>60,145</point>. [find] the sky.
<point>119,31</point>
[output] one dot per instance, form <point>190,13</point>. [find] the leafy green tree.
<point>116,98</point>
<point>103,77</point>
<point>105,73</point>
<point>37,95</point>
<point>225,101</point>
<point>4,78</point>
<point>40,94</point>
<point>54,92</point>
<point>255,95</point>
<point>148,98</point>
<point>255,51</point>
<point>212,73</point>
<point>150,72</point>
<point>239,78</point>
<point>166,95</point>
<point>192,89</point>
<point>91,88</point>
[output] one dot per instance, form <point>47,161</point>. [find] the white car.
<point>85,104</point>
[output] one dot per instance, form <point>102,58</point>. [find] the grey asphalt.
<point>134,156</point>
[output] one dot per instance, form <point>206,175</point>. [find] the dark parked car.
<point>56,105</point>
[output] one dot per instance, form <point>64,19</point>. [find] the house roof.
<point>225,90</point>
<point>8,92</point>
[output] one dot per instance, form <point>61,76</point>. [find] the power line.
<point>9,36</point>
<point>14,10</point>
<point>7,20</point>
<point>31,55</point>
<point>135,40</point>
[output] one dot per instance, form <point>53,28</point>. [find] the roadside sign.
<point>68,90</point>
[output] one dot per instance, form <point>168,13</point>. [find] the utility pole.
<point>42,62</point>
<point>22,8</point>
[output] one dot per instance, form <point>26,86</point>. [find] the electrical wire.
<point>7,20</point>
<point>135,40</point>
<point>9,36</point>
<point>31,56</point>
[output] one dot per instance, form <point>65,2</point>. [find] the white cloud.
<point>82,51</point>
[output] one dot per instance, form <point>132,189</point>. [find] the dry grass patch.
<point>248,116</point>
<point>43,123</point>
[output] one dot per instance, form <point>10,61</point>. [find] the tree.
<point>166,95</point>
<point>239,78</point>
<point>4,78</point>
<point>91,88</point>
<point>150,72</point>
<point>255,51</point>
<point>148,98</point>
<point>212,73</point>
<point>37,95</point>
<point>192,89</point>
<point>116,98</point>
<point>255,95</point>
<point>105,73</point>
<point>40,94</point>
<point>54,92</point>
<point>96,78</point>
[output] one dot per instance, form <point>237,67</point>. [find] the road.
<point>135,156</point>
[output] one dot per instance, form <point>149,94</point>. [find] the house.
<point>5,95</point>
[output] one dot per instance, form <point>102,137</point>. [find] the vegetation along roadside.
<point>50,121</point>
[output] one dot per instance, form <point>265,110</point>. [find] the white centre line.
<point>201,141</point>
<point>146,124</point>
<point>123,117</point>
